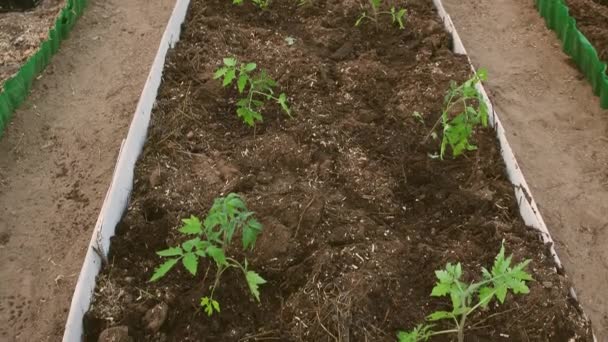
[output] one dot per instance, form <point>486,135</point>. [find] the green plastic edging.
<point>576,45</point>
<point>15,89</point>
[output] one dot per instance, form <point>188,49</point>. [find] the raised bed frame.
<point>117,197</point>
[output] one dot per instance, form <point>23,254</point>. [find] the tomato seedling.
<point>471,110</point>
<point>227,216</point>
<point>398,15</point>
<point>255,88</point>
<point>466,298</point>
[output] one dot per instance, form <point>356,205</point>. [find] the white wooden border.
<point>117,197</point>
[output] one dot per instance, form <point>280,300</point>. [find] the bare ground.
<point>57,156</point>
<point>558,132</point>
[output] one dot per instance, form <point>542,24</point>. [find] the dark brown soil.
<point>592,19</point>
<point>356,215</point>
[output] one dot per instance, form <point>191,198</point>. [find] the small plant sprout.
<point>398,15</point>
<point>263,4</point>
<point>466,298</point>
<point>227,216</point>
<point>255,88</point>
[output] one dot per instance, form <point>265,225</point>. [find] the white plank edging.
<point>117,197</point>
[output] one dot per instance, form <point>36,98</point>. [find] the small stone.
<point>155,317</point>
<point>547,284</point>
<point>190,135</point>
<point>115,334</point>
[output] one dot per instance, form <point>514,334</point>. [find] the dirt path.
<point>57,157</point>
<point>557,130</point>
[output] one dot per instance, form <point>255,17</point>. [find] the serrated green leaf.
<point>161,270</point>
<point>190,262</point>
<point>234,201</point>
<point>250,233</point>
<point>250,67</point>
<point>249,116</point>
<point>215,305</point>
<point>229,77</point>
<point>241,83</point>
<point>230,62</point>
<point>441,289</point>
<point>422,332</point>
<point>254,280</point>
<point>173,251</point>
<point>439,315</point>
<point>501,293</point>
<point>217,254</point>
<point>485,295</point>
<point>191,226</point>
<point>210,305</point>
<point>220,72</point>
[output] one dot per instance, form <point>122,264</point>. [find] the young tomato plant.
<point>472,111</point>
<point>254,88</point>
<point>398,15</point>
<point>227,216</point>
<point>466,298</point>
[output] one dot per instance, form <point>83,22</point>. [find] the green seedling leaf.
<point>220,72</point>
<point>420,333</point>
<point>229,77</point>
<point>283,102</point>
<point>250,117</point>
<point>163,269</point>
<point>242,82</point>
<point>254,280</point>
<point>439,315</point>
<point>190,261</point>
<point>210,306</point>
<point>249,67</point>
<point>217,254</point>
<point>230,62</point>
<point>376,4</point>
<point>250,233</point>
<point>173,251</point>
<point>191,226</point>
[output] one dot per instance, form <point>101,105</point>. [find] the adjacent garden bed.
<point>592,19</point>
<point>21,34</point>
<point>357,212</point>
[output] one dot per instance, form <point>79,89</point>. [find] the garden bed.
<point>592,19</point>
<point>356,214</point>
<point>21,34</point>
